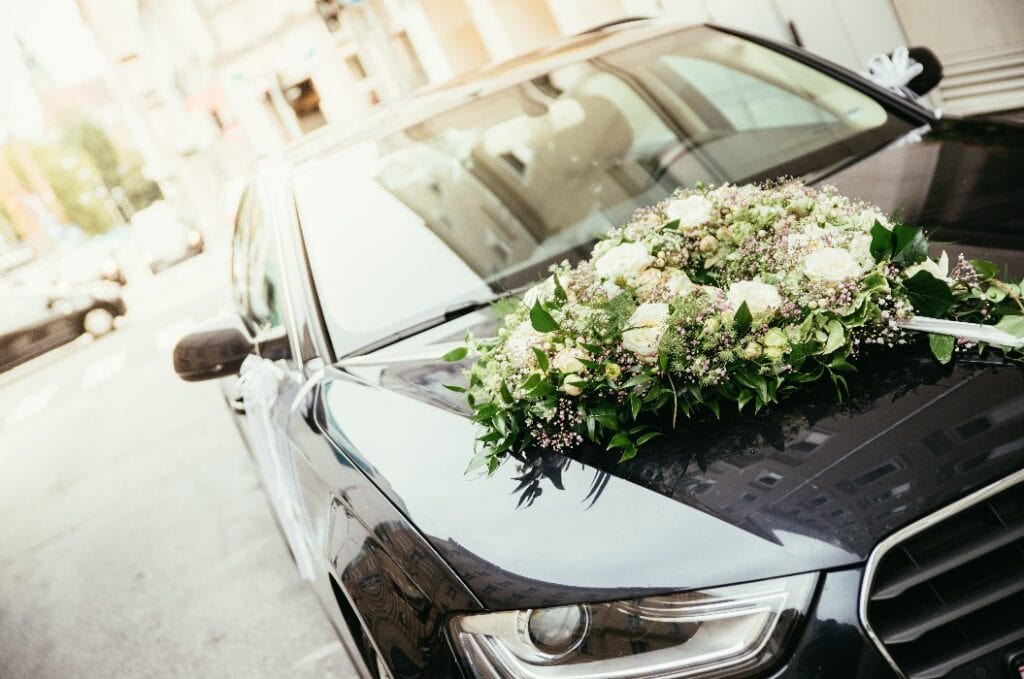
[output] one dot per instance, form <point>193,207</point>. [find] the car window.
<point>263,270</point>
<point>746,101</point>
<point>239,247</point>
<point>484,197</point>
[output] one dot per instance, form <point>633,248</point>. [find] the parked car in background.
<point>880,538</point>
<point>163,238</point>
<point>34,321</point>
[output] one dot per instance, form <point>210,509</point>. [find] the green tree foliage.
<point>121,171</point>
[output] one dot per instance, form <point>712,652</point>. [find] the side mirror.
<point>931,76</point>
<point>218,349</point>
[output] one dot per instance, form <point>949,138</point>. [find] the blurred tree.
<point>77,184</point>
<point>121,171</point>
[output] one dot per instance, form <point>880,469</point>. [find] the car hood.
<point>812,484</point>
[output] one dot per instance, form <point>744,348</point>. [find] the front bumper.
<point>832,643</point>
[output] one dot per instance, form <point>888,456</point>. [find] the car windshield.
<point>483,198</point>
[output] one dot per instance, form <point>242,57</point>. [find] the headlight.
<point>723,632</point>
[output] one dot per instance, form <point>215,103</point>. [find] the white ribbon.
<point>259,385</point>
<point>975,332</point>
<point>894,72</point>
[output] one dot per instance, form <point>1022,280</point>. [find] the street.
<point>135,540</point>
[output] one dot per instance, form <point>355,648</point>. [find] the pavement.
<point>134,537</point>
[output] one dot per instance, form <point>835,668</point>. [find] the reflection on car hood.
<point>811,484</point>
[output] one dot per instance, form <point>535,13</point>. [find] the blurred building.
<point>212,83</point>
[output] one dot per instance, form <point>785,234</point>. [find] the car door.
<point>264,395</point>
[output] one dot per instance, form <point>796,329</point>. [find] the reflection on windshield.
<point>491,193</point>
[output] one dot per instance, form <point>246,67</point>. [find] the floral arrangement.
<point>718,297</point>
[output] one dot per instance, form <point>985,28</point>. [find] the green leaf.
<point>542,359</point>
<point>1012,324</point>
<point>456,388</point>
<point>881,241</point>
<point>620,440</point>
<point>942,347</point>
<point>670,225</point>
<point>909,244</point>
<point>836,336</point>
<point>532,381</point>
<point>644,438</point>
<point>455,355</point>
<point>506,395</point>
<point>541,319</point>
<point>560,295</point>
<point>742,320</point>
<point>928,295</point>
<point>986,269</point>
<point>628,454</point>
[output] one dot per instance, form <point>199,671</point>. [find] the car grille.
<point>945,596</point>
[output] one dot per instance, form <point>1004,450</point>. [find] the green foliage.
<point>455,355</point>
<point>942,347</point>
<point>633,364</point>
<point>541,320</point>
<point>928,295</point>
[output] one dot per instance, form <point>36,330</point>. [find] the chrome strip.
<point>883,547</point>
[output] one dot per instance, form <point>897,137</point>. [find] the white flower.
<point>809,238</point>
<point>939,269</point>
<point>572,389</point>
<point>860,248</point>
<point>542,292</point>
<point>568,360</point>
<point>831,265</point>
<point>647,324</point>
<point>677,282</point>
<point>611,289</point>
<point>760,297</point>
<point>623,260</point>
<point>692,211</point>
<point>520,343</point>
<point>869,217</point>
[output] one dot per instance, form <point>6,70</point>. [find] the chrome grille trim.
<point>905,533</point>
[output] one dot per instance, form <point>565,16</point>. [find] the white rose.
<point>831,265</point>
<point>568,360</point>
<point>542,292</point>
<point>677,282</point>
<point>692,211</point>
<point>647,324</point>
<point>760,297</point>
<point>939,269</point>
<point>623,260</point>
<point>572,389</point>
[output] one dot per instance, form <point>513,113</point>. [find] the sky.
<point>53,32</point>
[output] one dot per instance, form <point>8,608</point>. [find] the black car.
<point>881,536</point>
<point>34,321</point>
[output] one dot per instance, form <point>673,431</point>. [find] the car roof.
<point>432,100</point>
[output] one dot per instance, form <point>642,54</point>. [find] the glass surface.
<point>482,198</point>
